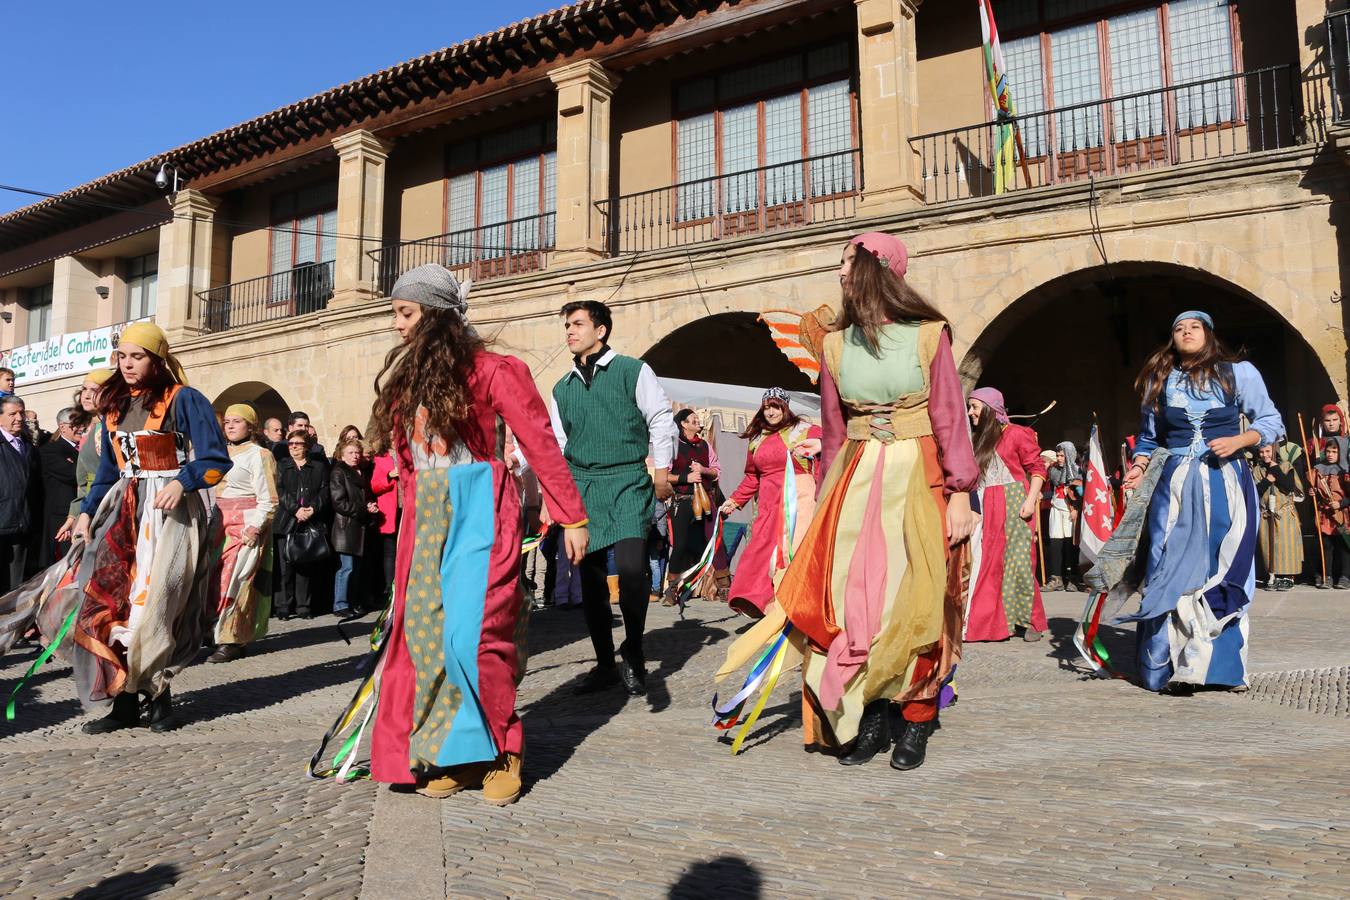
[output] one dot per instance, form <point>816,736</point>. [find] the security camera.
<point>162,179</point>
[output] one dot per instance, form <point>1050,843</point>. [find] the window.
<point>1062,53</point>
<point>39,306</point>
<point>304,232</point>
<point>142,274</point>
<point>501,194</point>
<point>769,116</point>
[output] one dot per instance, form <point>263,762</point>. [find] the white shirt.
<point>651,400</point>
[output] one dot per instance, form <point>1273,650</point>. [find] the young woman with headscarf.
<point>778,439</point>
<point>246,502</point>
<point>1279,489</point>
<point>873,593</point>
<point>1066,497</point>
<point>136,582</point>
<point>1004,595</point>
<point>446,718</point>
<point>1198,553</point>
<point>1331,491</point>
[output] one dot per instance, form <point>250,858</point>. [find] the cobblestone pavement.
<point>1042,781</point>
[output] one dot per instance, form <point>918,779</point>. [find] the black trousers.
<point>630,558</point>
<point>689,537</point>
<point>14,561</point>
<point>295,588</point>
<point>1061,560</point>
<point>1337,556</point>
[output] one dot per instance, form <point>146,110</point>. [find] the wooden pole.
<point>1040,544</point>
<point>1312,488</point>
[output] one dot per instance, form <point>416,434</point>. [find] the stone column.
<point>187,248</point>
<point>585,92</point>
<point>360,213</point>
<point>888,99</point>
<point>74,303</point>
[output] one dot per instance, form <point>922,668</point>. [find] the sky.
<point>92,87</point>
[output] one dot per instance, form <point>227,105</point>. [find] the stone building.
<point>696,162</point>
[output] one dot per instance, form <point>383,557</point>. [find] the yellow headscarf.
<point>99,376</point>
<point>149,336</point>
<point>243,411</point>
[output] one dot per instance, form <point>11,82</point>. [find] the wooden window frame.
<point>1100,17</point>
<point>718,106</point>
<point>293,223</point>
<point>547,145</point>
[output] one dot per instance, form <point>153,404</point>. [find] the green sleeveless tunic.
<point>607,441</point>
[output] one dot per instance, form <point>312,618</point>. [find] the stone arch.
<point>725,348</point>
<point>264,398</point>
<point>1081,337</point>
<point>1046,264</point>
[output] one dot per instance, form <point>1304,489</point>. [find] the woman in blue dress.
<point>1197,554</point>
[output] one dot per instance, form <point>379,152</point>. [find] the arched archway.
<point>1082,338</point>
<point>261,396</point>
<point>731,348</point>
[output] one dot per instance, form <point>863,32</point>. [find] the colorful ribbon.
<point>367,697</point>
<point>533,541</point>
<point>694,574</point>
<point>765,672</point>
<point>42,658</point>
<point>1087,638</point>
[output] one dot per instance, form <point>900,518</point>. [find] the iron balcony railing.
<point>1338,64</point>
<point>490,251</point>
<point>295,292</point>
<point>753,201</point>
<point>1218,117</point>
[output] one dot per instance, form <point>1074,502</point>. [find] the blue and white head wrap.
<point>1198,314</point>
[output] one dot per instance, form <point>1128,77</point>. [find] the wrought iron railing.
<point>295,292</point>
<point>490,251</point>
<point>1218,117</point>
<point>753,201</point>
<point>1338,64</point>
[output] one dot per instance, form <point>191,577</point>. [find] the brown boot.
<point>672,594</point>
<point>501,785</point>
<point>613,589</point>
<point>452,781</point>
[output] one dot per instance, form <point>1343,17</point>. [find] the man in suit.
<point>19,483</point>
<point>300,420</point>
<point>56,458</point>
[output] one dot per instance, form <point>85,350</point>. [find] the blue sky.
<point>90,87</point>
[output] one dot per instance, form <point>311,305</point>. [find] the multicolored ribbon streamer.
<point>1087,638</point>
<point>42,658</point>
<point>367,697</point>
<point>533,541</point>
<point>694,574</point>
<point>765,672</point>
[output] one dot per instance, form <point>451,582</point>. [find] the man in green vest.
<point>608,413</point>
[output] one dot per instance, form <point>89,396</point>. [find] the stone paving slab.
<point>1043,781</point>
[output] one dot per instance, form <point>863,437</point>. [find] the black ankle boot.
<point>126,713</point>
<point>912,746</point>
<point>874,734</point>
<point>161,713</point>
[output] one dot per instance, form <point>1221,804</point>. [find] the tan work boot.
<point>501,785</point>
<point>452,781</point>
<point>613,589</point>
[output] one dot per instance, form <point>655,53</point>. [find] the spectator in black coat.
<point>57,459</point>
<point>302,497</point>
<point>20,497</point>
<point>353,509</point>
<point>299,421</point>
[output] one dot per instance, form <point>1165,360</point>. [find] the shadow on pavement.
<point>723,877</point>
<point>1119,643</point>
<point>249,694</point>
<point>559,722</point>
<point>131,885</point>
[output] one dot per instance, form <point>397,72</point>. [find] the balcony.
<point>1204,120</point>
<point>753,201</point>
<point>1338,65</point>
<point>304,289</point>
<point>490,251</point>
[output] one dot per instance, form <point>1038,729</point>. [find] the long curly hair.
<point>760,425</point>
<point>875,296</point>
<point>431,370</point>
<point>1204,369</point>
<point>985,439</point>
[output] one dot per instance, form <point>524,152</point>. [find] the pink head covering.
<point>887,248</point>
<point>992,398</point>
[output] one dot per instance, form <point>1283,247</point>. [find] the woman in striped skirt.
<point>1199,544</point>
<point>1280,488</point>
